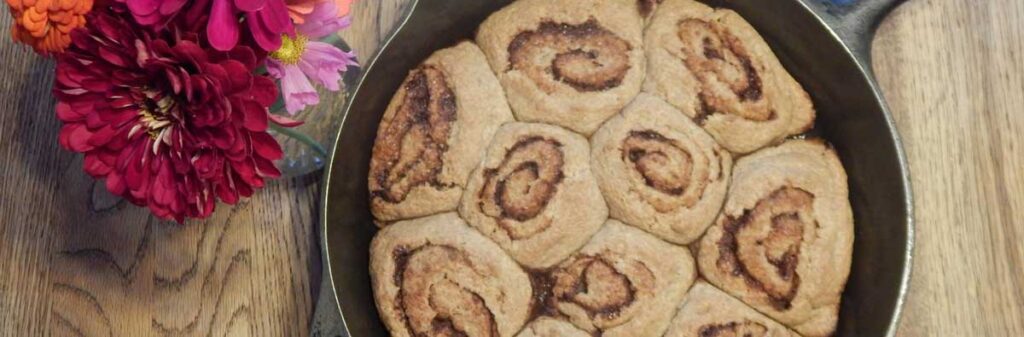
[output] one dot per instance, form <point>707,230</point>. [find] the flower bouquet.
<point>174,102</point>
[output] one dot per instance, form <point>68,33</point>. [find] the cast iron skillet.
<point>824,46</point>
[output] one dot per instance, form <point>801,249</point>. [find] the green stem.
<point>301,137</point>
<point>331,39</point>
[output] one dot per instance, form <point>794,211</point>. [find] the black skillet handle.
<point>855,21</point>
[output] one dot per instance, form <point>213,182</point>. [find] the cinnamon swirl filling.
<point>730,81</point>
<point>601,287</point>
<point>763,245</point>
<point>409,151</point>
<point>664,166</point>
<point>434,297</point>
<point>646,7</point>
<point>521,187</point>
<point>586,56</point>
<point>670,169</point>
<point>733,329</point>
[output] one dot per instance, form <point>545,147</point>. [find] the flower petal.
<point>222,30</point>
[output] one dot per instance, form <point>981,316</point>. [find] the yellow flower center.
<point>291,49</point>
<point>156,118</point>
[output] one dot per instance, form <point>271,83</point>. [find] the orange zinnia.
<point>46,24</point>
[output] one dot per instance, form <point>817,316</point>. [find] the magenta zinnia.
<point>169,124</point>
<point>264,20</point>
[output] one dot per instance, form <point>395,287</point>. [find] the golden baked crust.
<point>566,62</point>
<point>436,276</point>
<point>624,282</point>
<point>714,67</point>
<point>709,312</point>
<point>550,327</point>
<point>659,171</point>
<point>534,194</point>
<point>434,133</point>
<point>784,240</point>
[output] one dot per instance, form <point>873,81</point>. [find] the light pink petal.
<point>275,68</point>
<point>298,92</point>
<point>325,63</point>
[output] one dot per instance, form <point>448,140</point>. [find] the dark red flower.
<point>169,124</point>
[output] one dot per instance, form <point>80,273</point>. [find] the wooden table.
<point>75,261</point>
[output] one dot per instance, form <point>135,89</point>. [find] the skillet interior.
<point>849,116</point>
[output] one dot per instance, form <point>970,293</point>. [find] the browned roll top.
<point>411,149</point>
<point>664,166</point>
<point>763,245</point>
<point>730,82</point>
<point>646,7</point>
<point>587,56</point>
<point>594,284</point>
<point>523,185</point>
<point>734,329</point>
<point>432,301</point>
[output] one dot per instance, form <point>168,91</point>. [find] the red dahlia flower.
<point>169,124</point>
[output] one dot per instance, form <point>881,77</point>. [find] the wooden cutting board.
<point>76,261</point>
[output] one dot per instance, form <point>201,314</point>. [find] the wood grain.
<point>75,261</point>
<point>953,73</point>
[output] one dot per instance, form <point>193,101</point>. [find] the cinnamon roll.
<point>435,276</point>
<point>784,239</point>
<point>433,134</point>
<point>566,62</point>
<point>534,194</point>
<point>708,312</point>
<point>713,65</point>
<point>659,171</point>
<point>550,327</point>
<point>625,282</point>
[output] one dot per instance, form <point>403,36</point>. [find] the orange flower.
<point>298,9</point>
<point>46,24</point>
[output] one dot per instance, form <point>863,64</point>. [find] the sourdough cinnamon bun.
<point>435,276</point>
<point>434,133</point>
<point>713,65</point>
<point>566,62</point>
<point>784,240</point>
<point>708,312</point>
<point>625,282</point>
<point>534,194</point>
<point>659,171</point>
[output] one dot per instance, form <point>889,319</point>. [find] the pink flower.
<point>301,58</point>
<point>265,20</point>
<point>153,12</point>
